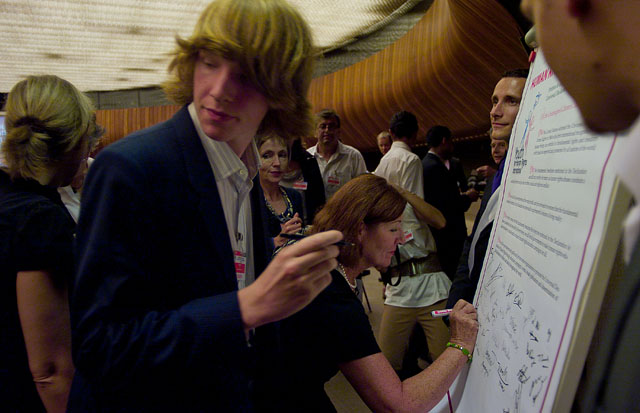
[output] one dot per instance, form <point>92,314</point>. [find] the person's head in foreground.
<point>247,68</point>
<point>368,212</point>
<point>591,46</point>
<point>50,126</point>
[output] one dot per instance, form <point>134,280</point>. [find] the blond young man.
<point>172,282</point>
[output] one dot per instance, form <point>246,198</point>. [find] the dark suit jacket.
<point>155,317</point>
<point>612,372</point>
<point>314,195</point>
<point>441,190</point>
<point>458,172</point>
<point>466,279</point>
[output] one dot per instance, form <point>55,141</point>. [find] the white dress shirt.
<point>71,200</point>
<point>234,179</point>
<point>402,167</point>
<point>346,163</point>
<point>628,169</point>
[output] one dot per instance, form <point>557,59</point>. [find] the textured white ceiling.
<point>123,44</point>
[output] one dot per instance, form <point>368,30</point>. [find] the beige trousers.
<point>397,324</point>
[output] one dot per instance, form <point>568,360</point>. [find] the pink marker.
<point>441,313</point>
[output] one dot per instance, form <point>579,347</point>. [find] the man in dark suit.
<point>455,166</point>
<point>596,62</point>
<point>505,106</point>
<point>167,300</point>
<point>441,190</point>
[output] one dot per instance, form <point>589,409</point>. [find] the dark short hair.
<point>437,134</point>
<point>403,124</point>
<point>325,114</point>
<point>524,73</point>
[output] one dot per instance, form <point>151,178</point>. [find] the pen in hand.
<point>299,236</point>
<point>441,313</point>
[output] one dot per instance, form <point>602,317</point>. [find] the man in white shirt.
<point>70,194</point>
<point>338,162</point>
<point>418,284</point>
<point>592,46</point>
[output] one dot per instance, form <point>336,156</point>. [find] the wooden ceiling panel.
<point>443,70</point>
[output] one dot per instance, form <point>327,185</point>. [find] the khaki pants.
<point>397,324</point>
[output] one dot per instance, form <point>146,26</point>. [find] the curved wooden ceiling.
<point>443,70</point>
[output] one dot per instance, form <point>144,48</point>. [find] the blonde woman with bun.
<point>49,128</point>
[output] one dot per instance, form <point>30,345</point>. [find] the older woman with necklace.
<point>333,332</point>
<point>282,206</point>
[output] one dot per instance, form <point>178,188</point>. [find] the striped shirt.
<point>234,179</point>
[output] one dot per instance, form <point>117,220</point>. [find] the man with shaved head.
<point>505,102</point>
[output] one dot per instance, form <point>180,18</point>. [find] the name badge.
<point>240,261</point>
<point>408,236</point>
<point>333,180</point>
<point>300,185</point>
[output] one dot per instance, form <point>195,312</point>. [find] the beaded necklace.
<point>343,272</point>
<point>287,214</point>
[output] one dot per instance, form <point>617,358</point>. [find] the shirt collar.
<point>628,167</point>
<point>222,158</point>
<point>433,152</point>
<point>400,145</point>
<point>445,162</point>
<point>340,149</point>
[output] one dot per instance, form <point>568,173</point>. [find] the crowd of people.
<point>180,288</point>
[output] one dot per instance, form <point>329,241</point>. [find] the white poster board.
<point>551,219</point>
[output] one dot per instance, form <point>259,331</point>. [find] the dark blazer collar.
<point>201,178</point>
<point>434,156</point>
<point>196,161</point>
<point>437,159</point>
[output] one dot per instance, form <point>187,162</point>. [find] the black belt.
<point>413,267</point>
<point>417,266</point>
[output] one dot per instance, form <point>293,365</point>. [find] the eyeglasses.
<point>328,126</point>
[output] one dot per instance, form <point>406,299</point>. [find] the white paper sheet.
<point>556,188</point>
